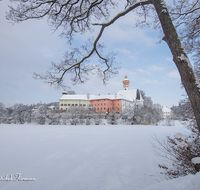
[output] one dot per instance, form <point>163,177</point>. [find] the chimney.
<point>88,96</point>
<point>64,93</point>
<point>115,95</point>
<point>98,94</point>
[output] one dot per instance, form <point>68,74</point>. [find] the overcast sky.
<point>31,46</point>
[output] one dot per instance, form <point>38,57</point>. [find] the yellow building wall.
<point>66,104</point>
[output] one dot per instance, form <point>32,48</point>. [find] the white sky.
<point>31,46</point>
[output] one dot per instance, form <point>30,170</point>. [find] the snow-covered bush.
<point>52,118</point>
<point>87,122</point>
<point>74,121</point>
<point>179,152</point>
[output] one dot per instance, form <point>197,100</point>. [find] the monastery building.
<point>103,103</point>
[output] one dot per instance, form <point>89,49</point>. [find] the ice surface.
<point>81,157</point>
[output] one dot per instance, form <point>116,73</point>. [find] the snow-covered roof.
<point>74,97</point>
<point>129,95</point>
<point>132,94</point>
<point>94,97</point>
<point>166,109</point>
<point>111,97</point>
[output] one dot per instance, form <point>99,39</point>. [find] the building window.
<point>84,104</point>
<point>104,104</point>
<point>104,108</point>
<point>66,108</point>
<point>101,108</point>
<point>61,104</point>
<point>61,108</point>
<point>68,104</point>
<point>97,108</point>
<point>72,104</point>
<point>65,104</point>
<point>80,104</point>
<point>76,104</point>
<point>101,104</point>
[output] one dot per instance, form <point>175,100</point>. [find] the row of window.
<point>104,100</point>
<point>102,108</point>
<point>66,108</point>
<point>73,104</point>
<point>101,104</point>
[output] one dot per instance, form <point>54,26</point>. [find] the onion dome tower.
<point>126,83</point>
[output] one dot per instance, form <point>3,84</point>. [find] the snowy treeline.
<point>44,114</point>
<point>20,114</point>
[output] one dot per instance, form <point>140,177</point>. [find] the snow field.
<point>81,157</point>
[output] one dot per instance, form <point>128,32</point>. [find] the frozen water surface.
<point>80,157</point>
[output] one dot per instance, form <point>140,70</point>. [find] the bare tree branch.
<point>104,73</point>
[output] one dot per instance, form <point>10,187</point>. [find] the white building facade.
<point>102,103</point>
<point>166,112</point>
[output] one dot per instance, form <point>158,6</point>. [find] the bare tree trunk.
<point>188,77</point>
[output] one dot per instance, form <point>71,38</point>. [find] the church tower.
<point>126,83</point>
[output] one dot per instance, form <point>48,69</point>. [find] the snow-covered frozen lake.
<point>81,157</point>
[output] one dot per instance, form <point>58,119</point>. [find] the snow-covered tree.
<point>53,118</point>
<point>18,114</point>
<point>128,114</point>
<point>40,114</point>
<point>81,16</point>
<point>112,118</point>
<point>28,115</point>
<point>180,150</point>
<point>2,111</point>
<point>149,112</point>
